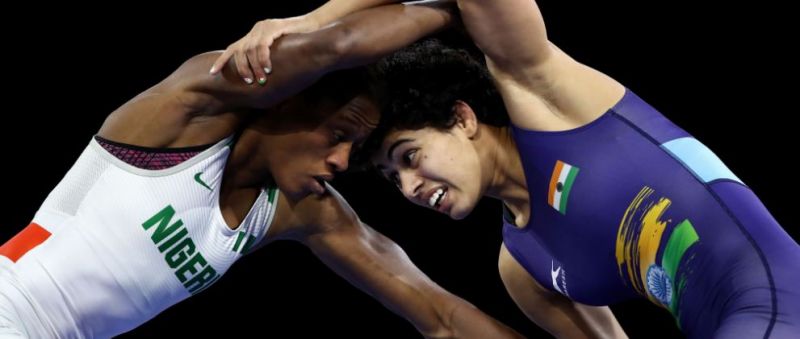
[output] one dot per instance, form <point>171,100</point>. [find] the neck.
<point>504,166</point>
<point>247,166</point>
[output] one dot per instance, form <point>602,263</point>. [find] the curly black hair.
<point>419,86</point>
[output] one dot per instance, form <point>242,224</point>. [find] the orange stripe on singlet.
<point>24,241</point>
<point>554,182</point>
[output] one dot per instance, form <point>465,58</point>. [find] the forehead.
<point>398,139</point>
<point>395,136</point>
<point>360,112</point>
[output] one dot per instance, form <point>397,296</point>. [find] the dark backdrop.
<point>721,72</point>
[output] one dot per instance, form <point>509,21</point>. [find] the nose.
<point>339,159</point>
<point>410,184</point>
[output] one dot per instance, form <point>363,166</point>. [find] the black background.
<point>722,72</point>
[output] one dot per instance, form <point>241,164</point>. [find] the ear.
<point>465,118</point>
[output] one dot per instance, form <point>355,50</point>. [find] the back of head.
<point>421,83</point>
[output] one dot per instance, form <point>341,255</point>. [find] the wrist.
<point>312,21</point>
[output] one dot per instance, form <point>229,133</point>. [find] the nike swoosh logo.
<point>554,275</point>
<point>201,182</point>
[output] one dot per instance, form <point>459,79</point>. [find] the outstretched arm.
<point>542,87</point>
<point>378,266</point>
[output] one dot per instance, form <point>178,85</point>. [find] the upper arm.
<point>298,61</point>
<point>542,87</point>
<point>533,299</point>
<point>190,95</point>
<point>552,311</point>
<point>510,32</point>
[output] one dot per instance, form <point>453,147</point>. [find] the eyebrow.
<point>394,145</point>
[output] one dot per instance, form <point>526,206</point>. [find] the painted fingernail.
<point>267,70</point>
<point>248,80</point>
<point>262,81</point>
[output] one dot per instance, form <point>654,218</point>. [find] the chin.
<point>458,214</point>
<point>292,190</point>
<point>296,195</point>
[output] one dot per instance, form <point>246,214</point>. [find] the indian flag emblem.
<point>560,185</point>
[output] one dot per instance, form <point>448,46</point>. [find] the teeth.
<point>435,197</point>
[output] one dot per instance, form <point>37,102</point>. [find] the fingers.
<point>264,56</point>
<point>243,66</point>
<point>251,54</point>
<point>253,57</point>
<point>220,62</point>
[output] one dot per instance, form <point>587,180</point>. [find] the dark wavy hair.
<point>419,86</point>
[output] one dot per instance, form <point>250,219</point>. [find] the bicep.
<point>529,296</point>
<point>298,61</point>
<point>510,32</point>
<point>552,311</point>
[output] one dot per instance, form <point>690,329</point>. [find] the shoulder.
<point>557,94</point>
<point>172,113</point>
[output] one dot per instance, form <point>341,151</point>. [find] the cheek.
<point>465,171</point>
<point>302,149</point>
<point>459,159</point>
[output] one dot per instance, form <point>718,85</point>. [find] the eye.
<point>408,157</point>
<point>338,136</point>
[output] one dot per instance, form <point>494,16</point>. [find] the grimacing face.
<point>303,158</point>
<point>437,169</point>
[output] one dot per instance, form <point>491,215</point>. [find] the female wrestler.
<point>605,198</point>
<point>188,176</point>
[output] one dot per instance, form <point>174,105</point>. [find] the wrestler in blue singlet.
<point>630,205</point>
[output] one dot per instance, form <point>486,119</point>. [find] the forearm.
<point>336,9</point>
<point>381,268</point>
<point>377,32</point>
<point>462,320</point>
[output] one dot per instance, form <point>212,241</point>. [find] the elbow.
<point>438,329</point>
<point>443,324</point>
<point>344,45</point>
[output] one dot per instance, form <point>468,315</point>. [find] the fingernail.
<point>248,80</point>
<point>262,81</point>
<point>213,69</point>
<point>267,70</point>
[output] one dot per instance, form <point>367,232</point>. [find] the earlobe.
<point>465,118</point>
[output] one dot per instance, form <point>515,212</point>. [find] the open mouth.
<point>437,197</point>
